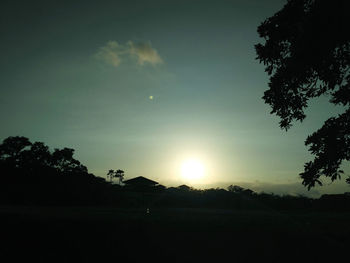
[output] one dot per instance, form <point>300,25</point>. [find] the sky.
<point>145,86</point>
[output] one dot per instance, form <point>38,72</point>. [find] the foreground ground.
<point>101,234</point>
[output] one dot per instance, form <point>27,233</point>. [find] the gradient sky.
<point>143,85</point>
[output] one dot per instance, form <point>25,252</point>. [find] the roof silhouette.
<point>140,180</point>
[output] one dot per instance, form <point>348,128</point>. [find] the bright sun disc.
<point>192,170</point>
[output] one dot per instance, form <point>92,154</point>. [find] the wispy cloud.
<point>114,53</point>
<point>144,52</point>
<point>111,53</point>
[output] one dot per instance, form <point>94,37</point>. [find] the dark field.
<point>101,234</point>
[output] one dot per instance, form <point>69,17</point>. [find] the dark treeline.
<point>31,174</point>
<point>217,198</point>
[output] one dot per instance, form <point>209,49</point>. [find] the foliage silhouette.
<point>120,174</point>
<point>31,174</point>
<point>307,54</point>
<point>110,175</point>
<point>235,189</point>
<point>116,174</point>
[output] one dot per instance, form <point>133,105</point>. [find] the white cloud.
<point>114,53</point>
<point>144,53</point>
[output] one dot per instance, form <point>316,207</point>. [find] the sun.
<point>192,170</point>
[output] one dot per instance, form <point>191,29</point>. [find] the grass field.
<point>102,234</point>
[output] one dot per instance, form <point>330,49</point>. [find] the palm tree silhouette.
<point>119,174</point>
<point>111,174</point>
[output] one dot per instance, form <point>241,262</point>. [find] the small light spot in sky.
<point>150,97</point>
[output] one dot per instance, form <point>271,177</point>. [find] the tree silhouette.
<point>307,54</point>
<point>12,148</point>
<point>119,174</point>
<point>64,162</point>
<point>116,174</point>
<point>19,152</point>
<point>31,173</point>
<point>235,189</point>
<point>110,174</point>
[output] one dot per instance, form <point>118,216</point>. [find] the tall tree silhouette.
<point>119,174</point>
<point>111,174</point>
<point>307,54</point>
<point>116,174</point>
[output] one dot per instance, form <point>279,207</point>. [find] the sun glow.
<point>192,170</point>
